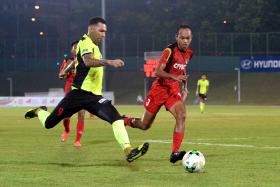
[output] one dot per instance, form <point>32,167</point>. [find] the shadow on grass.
<point>114,163</point>
<point>96,142</point>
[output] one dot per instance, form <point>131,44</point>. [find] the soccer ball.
<point>193,161</point>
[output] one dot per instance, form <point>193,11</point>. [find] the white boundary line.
<point>233,138</point>
<point>215,144</point>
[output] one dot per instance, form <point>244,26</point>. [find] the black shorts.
<point>76,100</point>
<point>203,96</point>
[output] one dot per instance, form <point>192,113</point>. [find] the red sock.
<point>177,140</point>
<point>80,130</point>
<point>66,124</point>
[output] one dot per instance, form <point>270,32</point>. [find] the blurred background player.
<point>201,91</point>
<point>67,72</point>
<point>170,72</point>
<point>87,91</point>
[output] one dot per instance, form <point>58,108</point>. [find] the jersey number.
<point>148,102</point>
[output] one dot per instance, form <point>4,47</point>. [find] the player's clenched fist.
<point>116,63</point>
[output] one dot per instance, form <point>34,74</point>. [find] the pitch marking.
<point>215,144</point>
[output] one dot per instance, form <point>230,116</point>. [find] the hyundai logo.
<point>246,64</point>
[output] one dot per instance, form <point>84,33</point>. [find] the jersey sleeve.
<point>85,47</point>
<point>198,83</point>
<point>208,83</point>
<point>166,55</point>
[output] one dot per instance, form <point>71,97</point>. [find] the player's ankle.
<point>37,110</point>
<point>127,150</point>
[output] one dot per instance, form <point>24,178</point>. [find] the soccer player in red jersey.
<point>170,72</point>
<point>67,72</point>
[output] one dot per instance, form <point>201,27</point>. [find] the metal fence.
<point>45,53</point>
<point>31,64</point>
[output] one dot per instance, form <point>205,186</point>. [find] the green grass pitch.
<point>240,144</point>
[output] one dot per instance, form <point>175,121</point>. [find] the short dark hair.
<point>203,74</point>
<point>96,20</point>
<point>75,42</point>
<point>183,26</point>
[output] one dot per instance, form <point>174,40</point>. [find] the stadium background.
<point>240,142</point>
<point>223,31</point>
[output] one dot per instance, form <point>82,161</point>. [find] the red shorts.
<point>162,95</point>
<point>67,87</point>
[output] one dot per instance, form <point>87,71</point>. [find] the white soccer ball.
<point>193,161</point>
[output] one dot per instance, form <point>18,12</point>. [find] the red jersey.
<point>70,76</point>
<point>176,62</point>
<point>166,91</point>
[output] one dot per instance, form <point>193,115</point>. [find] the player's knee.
<point>81,116</point>
<point>48,126</point>
<point>66,119</point>
<point>108,113</point>
<point>146,127</point>
<point>181,116</point>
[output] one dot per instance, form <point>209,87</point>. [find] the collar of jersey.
<point>87,36</point>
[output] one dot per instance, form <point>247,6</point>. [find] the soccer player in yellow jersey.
<point>202,90</point>
<point>86,91</point>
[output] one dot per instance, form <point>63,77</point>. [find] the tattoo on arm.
<point>91,62</point>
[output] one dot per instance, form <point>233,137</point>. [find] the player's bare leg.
<point>65,134</point>
<point>145,123</point>
<point>179,112</point>
<point>80,128</point>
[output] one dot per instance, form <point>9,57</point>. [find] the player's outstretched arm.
<point>91,62</point>
<point>62,67</point>
<point>64,71</point>
<point>70,66</point>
